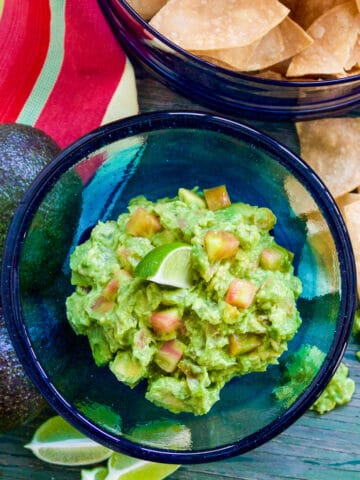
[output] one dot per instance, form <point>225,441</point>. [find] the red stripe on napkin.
<point>92,68</point>
<point>25,28</point>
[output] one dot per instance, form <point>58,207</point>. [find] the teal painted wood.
<point>314,448</point>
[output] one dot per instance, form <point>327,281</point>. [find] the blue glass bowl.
<point>154,154</point>
<point>222,90</point>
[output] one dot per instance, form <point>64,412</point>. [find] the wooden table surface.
<point>314,448</point>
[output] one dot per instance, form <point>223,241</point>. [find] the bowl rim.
<point>231,73</point>
<point>134,125</point>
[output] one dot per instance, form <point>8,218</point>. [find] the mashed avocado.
<point>356,329</point>
<point>236,318</point>
<point>301,368</point>
<point>338,392</point>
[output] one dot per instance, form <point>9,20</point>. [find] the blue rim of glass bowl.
<point>133,126</point>
<point>286,112</point>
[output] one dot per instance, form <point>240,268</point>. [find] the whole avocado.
<point>19,399</point>
<point>24,152</point>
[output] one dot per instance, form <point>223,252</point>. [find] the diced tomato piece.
<point>169,355</point>
<point>102,305</point>
<point>110,290</point>
<point>141,338</point>
<point>241,293</point>
<point>123,254</point>
<point>165,321</point>
<point>275,257</point>
<point>271,258</point>
<point>220,245</point>
<point>243,343</point>
<point>217,197</point>
<point>143,223</point>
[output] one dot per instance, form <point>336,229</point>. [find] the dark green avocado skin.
<point>19,399</point>
<point>24,152</point>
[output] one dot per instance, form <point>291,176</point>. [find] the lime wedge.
<point>55,441</point>
<point>122,467</point>
<point>97,473</point>
<point>169,264</point>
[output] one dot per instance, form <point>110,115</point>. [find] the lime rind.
<point>57,442</point>
<point>127,468</point>
<point>97,473</point>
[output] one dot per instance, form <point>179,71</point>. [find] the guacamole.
<point>235,317</point>
<point>300,369</point>
<point>338,392</point>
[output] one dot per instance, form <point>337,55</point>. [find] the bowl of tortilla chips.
<point>280,60</point>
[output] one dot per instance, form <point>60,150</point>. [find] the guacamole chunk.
<point>338,392</point>
<point>301,368</point>
<point>235,317</point>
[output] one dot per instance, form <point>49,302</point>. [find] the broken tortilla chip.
<point>212,25</point>
<point>334,34</point>
<point>281,43</point>
<point>352,220</point>
<point>330,147</point>
<point>291,4</point>
<point>354,58</point>
<point>235,58</point>
<point>307,11</point>
<point>146,8</point>
<point>294,40</point>
<point>347,199</point>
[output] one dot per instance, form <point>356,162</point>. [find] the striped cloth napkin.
<point>61,68</point>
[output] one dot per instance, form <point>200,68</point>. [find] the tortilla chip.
<point>330,147</point>
<point>358,4</point>
<point>281,68</point>
<point>352,220</point>
<point>270,75</point>
<point>307,11</point>
<point>334,34</point>
<point>291,4</point>
<point>354,58</point>
<point>281,43</point>
<point>146,8</point>
<point>294,40</point>
<point>268,50</point>
<point>212,25</point>
<point>234,58</point>
<point>347,199</point>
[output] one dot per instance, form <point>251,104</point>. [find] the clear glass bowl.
<point>224,90</point>
<point>154,154</point>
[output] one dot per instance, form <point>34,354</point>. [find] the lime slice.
<point>55,441</point>
<point>169,264</point>
<point>97,473</point>
<point>122,467</point>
